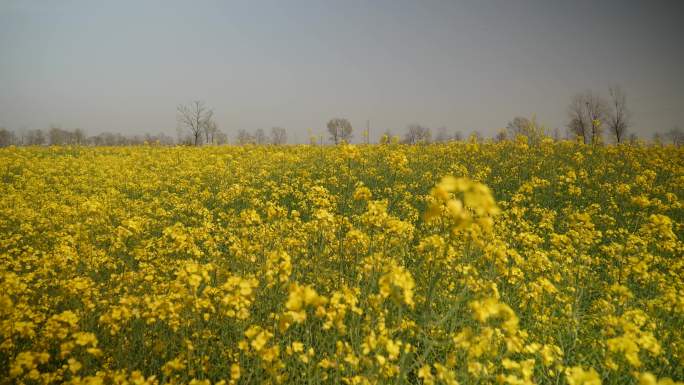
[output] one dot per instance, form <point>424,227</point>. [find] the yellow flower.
<point>234,372</point>
<point>578,376</point>
<point>425,373</point>
<point>397,281</point>
<point>74,366</point>
<point>362,193</point>
<point>83,339</point>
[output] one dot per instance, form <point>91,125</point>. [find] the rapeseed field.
<point>459,263</point>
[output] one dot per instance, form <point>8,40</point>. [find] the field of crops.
<point>458,263</point>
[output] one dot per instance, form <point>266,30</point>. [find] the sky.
<point>124,66</point>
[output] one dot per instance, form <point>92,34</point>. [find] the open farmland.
<point>458,263</point>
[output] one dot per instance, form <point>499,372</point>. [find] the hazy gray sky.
<point>123,66</point>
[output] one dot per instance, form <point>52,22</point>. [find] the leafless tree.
<point>676,135</point>
<point>159,139</point>
<point>386,137</point>
<point>244,137</point>
<point>475,137</point>
<point>210,129</point>
<point>578,119</point>
<point>7,137</point>
<point>501,136</point>
<point>35,137</point>
<point>529,128</point>
<point>618,121</point>
<point>220,138</point>
<point>20,137</point>
<point>58,136</point>
<point>260,136</point>
<point>415,133</point>
<point>79,137</point>
<point>597,110</point>
<point>579,130</point>
<point>278,135</point>
<point>658,139</point>
<point>194,117</point>
<point>442,135</point>
<point>340,130</point>
<point>518,126</point>
<point>165,139</point>
<point>588,113</point>
<point>110,139</point>
<point>313,138</point>
<point>96,140</point>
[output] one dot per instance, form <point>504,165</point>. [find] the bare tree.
<point>442,135</point>
<point>194,117</point>
<point>475,137</point>
<point>210,129</point>
<point>59,137</point>
<point>313,139</point>
<point>220,138</point>
<point>110,139</point>
<point>618,120</point>
<point>518,126</point>
<point>7,137</point>
<point>657,139</point>
<point>79,137</point>
<point>35,137</point>
<point>597,110</point>
<point>588,113</point>
<point>244,137</point>
<point>501,136</point>
<point>415,133</point>
<point>260,136</point>
<point>578,125</point>
<point>386,137</point>
<point>676,135</point>
<point>160,139</point>
<point>278,135</point>
<point>529,128</point>
<point>340,130</point>
<point>20,137</point>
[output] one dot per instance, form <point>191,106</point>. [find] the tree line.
<point>57,136</point>
<point>591,120</point>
